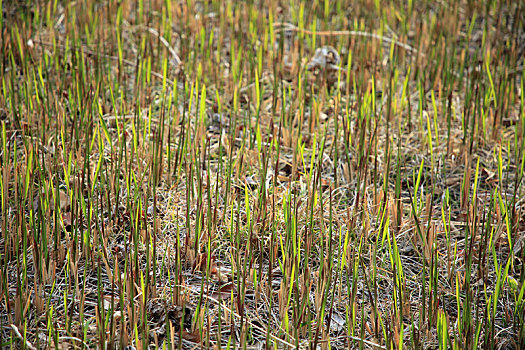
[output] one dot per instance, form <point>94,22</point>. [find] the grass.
<point>181,175</point>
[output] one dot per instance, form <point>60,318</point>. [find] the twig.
<point>76,339</point>
<point>165,43</point>
<point>289,26</point>
<point>17,333</point>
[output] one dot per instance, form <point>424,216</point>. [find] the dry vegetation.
<point>209,174</point>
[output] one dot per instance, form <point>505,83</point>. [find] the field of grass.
<point>262,174</point>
